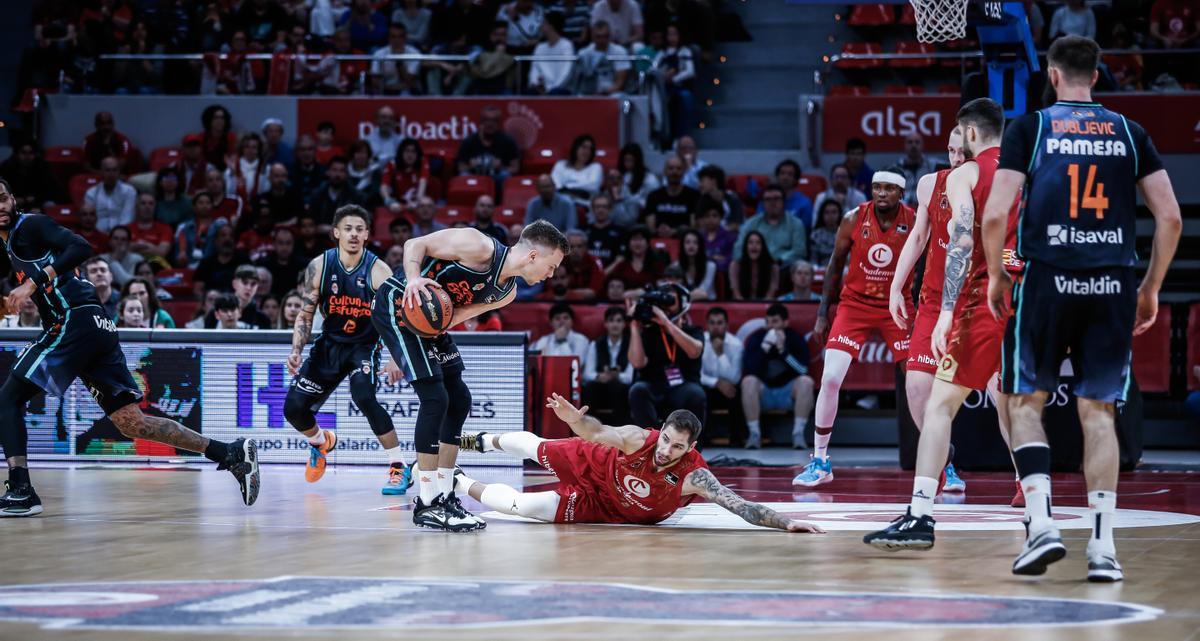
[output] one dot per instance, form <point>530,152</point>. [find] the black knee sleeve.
<point>460,408</point>
<point>1032,459</point>
<point>14,394</point>
<point>362,391</point>
<point>435,403</point>
<point>297,409</point>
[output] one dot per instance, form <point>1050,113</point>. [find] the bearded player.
<point>341,282</point>
<point>480,274</point>
<point>79,340</point>
<point>867,246</point>
<point>967,339</point>
<point>611,474</point>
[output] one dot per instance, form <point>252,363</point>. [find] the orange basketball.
<point>431,317</point>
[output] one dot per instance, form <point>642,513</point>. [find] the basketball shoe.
<point>1103,568</point>
<point>473,442</point>
<point>440,516</point>
<point>953,483</point>
<point>1018,499</point>
<point>1039,551</point>
<point>242,462</point>
<point>20,500</point>
<point>817,472</point>
<point>906,532</point>
<point>317,457</point>
<point>399,479</point>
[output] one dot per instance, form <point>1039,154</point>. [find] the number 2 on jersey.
<point>1091,199</point>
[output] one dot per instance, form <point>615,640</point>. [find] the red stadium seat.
<point>441,160</point>
<point>62,214</point>
<point>861,48</point>
<point>383,218</point>
<point>741,185</point>
<point>908,16</point>
<point>812,185</point>
<point>607,157</point>
<point>538,160</point>
<point>903,90</point>
<point>434,189</point>
<point>79,185</point>
<point>912,47</point>
<point>181,310</point>
<point>64,161</point>
<point>849,90</point>
<point>668,245</point>
<point>465,190</point>
<point>871,15</point>
<point>177,281</point>
<point>164,157</point>
<point>506,216</point>
<point>450,215</point>
<point>949,88</point>
<point>518,191</point>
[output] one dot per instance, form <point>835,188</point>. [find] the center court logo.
<point>1058,235</point>
<point>880,255</point>
<point>636,486</point>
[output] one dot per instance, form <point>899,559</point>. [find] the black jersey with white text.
<point>465,285</point>
<point>345,298</point>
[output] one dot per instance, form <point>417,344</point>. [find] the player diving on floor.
<point>626,475</point>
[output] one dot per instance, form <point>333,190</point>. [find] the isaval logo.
<point>1067,235</point>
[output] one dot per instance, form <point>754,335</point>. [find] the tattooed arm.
<point>961,244</point>
<point>702,483</point>
<point>310,290</point>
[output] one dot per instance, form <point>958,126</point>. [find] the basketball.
<point>431,317</point>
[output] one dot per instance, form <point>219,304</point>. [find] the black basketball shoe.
<point>20,500</point>
<point>906,532</point>
<point>472,441</point>
<point>242,462</point>
<point>454,506</point>
<point>439,516</point>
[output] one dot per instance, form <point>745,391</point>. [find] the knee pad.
<point>298,411</point>
<point>435,403</point>
<point>458,411</point>
<point>362,391</point>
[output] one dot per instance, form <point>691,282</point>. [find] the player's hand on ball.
<point>18,296</point>
<point>803,526</point>
<point>1147,310</point>
<point>898,309</point>
<point>564,410</point>
<point>293,363</point>
<point>941,334</point>
<point>416,291</point>
<point>391,371</point>
<point>999,294</point>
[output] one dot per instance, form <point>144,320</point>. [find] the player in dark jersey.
<point>79,340</point>
<point>1081,166</point>
<point>612,474</point>
<point>479,273</point>
<point>341,282</point>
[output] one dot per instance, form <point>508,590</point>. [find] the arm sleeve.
<point>1148,160</point>
<point>71,249</point>
<point>1016,150</point>
<point>752,354</point>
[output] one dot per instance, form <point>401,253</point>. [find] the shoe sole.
<point>828,478</point>
<point>1105,576</point>
<point>955,488</point>
<point>888,545</point>
<point>1040,558</point>
<point>33,511</point>
<point>392,491</point>
<point>447,528</point>
<point>251,483</point>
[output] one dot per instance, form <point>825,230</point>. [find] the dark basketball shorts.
<point>1086,316</point>
<point>329,362</point>
<point>417,357</point>
<point>84,345</point>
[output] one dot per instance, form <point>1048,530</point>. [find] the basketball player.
<point>79,339</point>
<point>614,474</point>
<point>1080,165</point>
<point>870,239</point>
<point>479,273</point>
<point>342,282</point>
<point>966,339</point>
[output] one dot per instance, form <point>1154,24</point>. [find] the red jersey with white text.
<point>940,213</point>
<point>873,255</point>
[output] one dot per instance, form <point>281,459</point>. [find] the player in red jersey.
<point>868,244</point>
<point>967,337</point>
<point>611,474</point>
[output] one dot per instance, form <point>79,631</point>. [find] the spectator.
<point>577,14</point>
<point>368,27</point>
<point>786,236</point>
<point>258,240</point>
<point>112,199</point>
<point>489,151</point>
<point>801,274</point>
<point>552,77</point>
<point>106,142</point>
<point>399,77</point>
<point>485,209</point>
<point>399,232</point>
<point>171,205</point>
<point>120,260</point>
<point>326,146</point>
<point>623,208</point>
<point>394,257</point>
<point>269,306</point>
<point>718,241</point>
<point>216,271</point>
<point>841,190</point>
<point>640,180</point>
<point>795,203</point>
<point>143,290</point>
<point>856,163</point>
<point>824,237</point>
<point>914,164</point>
<point>405,178</point>
<point>712,190</point>
<point>551,206</point>
<point>218,138</point>
<point>325,16</point>
<point>473,19</point>
<point>227,314</point>
<point>579,175</point>
<point>755,274</point>
<point>607,373</point>
<point>29,176</point>
<point>245,289</point>
<point>261,19</point>
<point>146,271</point>
<point>689,153</point>
<point>586,271</point>
<point>265,281</point>
<point>656,41</point>
<point>493,70</point>
<point>563,340</point>
<point>346,76</point>
<point>147,236</point>
<point>206,309</point>
<point>383,139</point>
<point>666,353</point>
<point>605,240</point>
<point>1126,69</point>
<point>87,229</point>
<point>282,198</point>
<point>333,194</point>
<point>193,165</point>
<point>193,239</point>
<point>638,267</point>
<point>614,290</point>
<point>669,208</point>
<point>142,76</point>
<point>96,270</point>
<point>275,150</point>
<point>698,271</point>
<point>599,73</point>
<point>362,171</point>
<point>282,262</point>
<point>27,316</point>
<point>721,365</point>
<point>1072,19</point>
<point>130,314</point>
<point>623,17</point>
<point>426,222</point>
<point>450,78</point>
<point>776,376</point>
<point>678,71</point>
<point>306,175</point>
<point>1174,24</point>
<point>523,19</point>
<point>310,243</point>
<point>557,287</point>
<point>247,177</point>
<point>415,19</point>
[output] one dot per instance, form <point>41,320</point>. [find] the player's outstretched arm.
<point>627,438</point>
<point>914,246</point>
<point>309,289</point>
<point>702,483</point>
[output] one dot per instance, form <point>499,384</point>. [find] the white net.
<point>940,20</point>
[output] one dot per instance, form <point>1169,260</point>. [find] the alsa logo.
<point>1100,286</point>
<point>880,255</point>
<point>889,122</point>
<point>1059,235</point>
<point>636,486</point>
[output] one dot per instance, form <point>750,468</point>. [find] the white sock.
<point>821,445</point>
<point>1037,501</point>
<point>798,425</point>
<point>754,427</point>
<point>500,497</point>
<point>462,484</point>
<point>318,440</point>
<point>522,444</point>
<point>1102,505</point>
<point>445,480</point>
<point>427,483</point>
<point>395,454</point>
<point>924,491</point>
<point>488,445</point>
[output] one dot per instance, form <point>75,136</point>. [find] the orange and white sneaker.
<point>316,458</point>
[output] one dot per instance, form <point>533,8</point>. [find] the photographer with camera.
<point>666,354</point>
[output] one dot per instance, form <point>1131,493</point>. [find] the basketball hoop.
<point>940,20</point>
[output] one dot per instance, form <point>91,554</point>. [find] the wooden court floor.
<point>158,554</point>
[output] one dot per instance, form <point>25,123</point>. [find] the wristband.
<point>40,278</point>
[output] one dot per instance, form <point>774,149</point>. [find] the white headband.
<point>888,177</point>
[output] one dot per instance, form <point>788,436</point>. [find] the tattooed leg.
<point>134,424</point>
